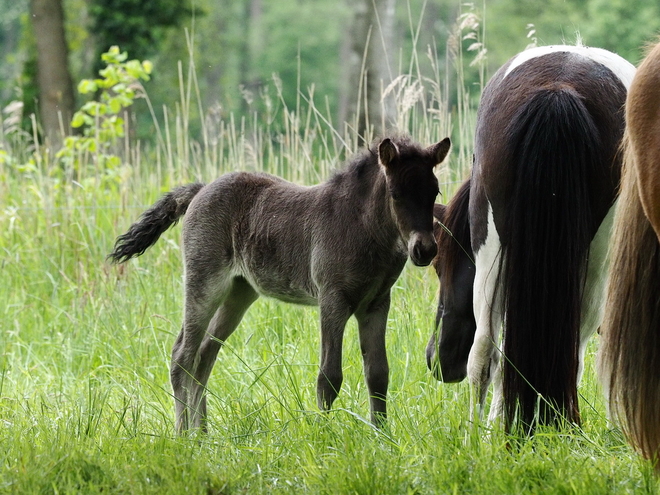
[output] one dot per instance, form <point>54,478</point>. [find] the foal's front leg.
<point>335,312</point>
<point>372,324</point>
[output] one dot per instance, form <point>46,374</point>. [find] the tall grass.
<point>85,401</point>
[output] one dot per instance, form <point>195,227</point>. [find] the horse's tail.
<point>555,150</point>
<point>161,216</point>
<point>630,349</point>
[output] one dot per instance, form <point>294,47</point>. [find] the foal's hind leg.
<point>203,294</point>
<point>241,295</point>
<point>335,312</point>
<point>372,324</point>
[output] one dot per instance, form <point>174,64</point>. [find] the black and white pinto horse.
<point>523,244</point>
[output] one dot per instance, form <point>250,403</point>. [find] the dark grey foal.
<point>341,244</point>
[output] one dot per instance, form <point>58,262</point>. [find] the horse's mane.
<point>453,237</point>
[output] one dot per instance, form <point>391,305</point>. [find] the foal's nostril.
<point>432,251</point>
<point>417,252</point>
<point>423,255</point>
<point>422,249</point>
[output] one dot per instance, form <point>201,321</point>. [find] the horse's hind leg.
<point>203,294</point>
<point>241,295</point>
<point>335,313</point>
<point>594,289</point>
<point>484,355</point>
<point>372,324</point>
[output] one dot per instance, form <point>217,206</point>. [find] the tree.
<point>367,54</point>
<point>56,96</point>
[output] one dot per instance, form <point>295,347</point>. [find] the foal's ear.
<point>439,150</point>
<point>439,212</point>
<point>387,152</point>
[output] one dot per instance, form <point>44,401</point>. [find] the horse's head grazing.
<point>448,349</point>
<point>413,187</point>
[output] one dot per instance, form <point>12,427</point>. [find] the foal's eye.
<point>396,195</point>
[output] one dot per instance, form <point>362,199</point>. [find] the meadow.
<point>85,400</point>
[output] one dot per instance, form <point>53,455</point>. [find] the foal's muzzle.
<point>422,248</point>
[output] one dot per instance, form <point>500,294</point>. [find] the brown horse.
<point>340,245</point>
<point>523,249</point>
<point>629,358</point>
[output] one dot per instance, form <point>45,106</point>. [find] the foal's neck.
<point>369,184</point>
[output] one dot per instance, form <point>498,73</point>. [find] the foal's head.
<point>412,188</point>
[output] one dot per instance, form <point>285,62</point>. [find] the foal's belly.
<point>290,284</point>
<point>283,290</point>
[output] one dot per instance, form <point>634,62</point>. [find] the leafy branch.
<point>101,118</point>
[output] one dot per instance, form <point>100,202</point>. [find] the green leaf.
<point>87,86</point>
<point>115,105</point>
<point>78,120</point>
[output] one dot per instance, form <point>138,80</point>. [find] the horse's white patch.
<point>623,69</point>
<point>481,361</point>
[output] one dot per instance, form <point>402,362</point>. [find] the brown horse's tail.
<point>161,216</point>
<point>556,149</point>
<point>629,357</point>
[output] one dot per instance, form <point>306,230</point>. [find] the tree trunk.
<point>56,97</point>
<point>366,56</point>
<point>250,48</point>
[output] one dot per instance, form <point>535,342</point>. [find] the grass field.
<point>85,401</point>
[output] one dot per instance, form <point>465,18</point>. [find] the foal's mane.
<point>453,237</point>
<point>366,159</point>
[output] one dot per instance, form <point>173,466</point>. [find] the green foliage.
<point>242,43</point>
<point>10,35</point>
<point>137,26</point>
<point>623,26</point>
<point>301,44</point>
<point>101,119</point>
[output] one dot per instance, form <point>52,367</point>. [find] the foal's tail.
<point>555,147</point>
<point>630,350</point>
<point>161,216</point>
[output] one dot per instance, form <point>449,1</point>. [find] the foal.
<point>340,245</point>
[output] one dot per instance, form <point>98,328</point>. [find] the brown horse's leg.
<point>372,324</point>
<point>223,324</point>
<point>335,313</point>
